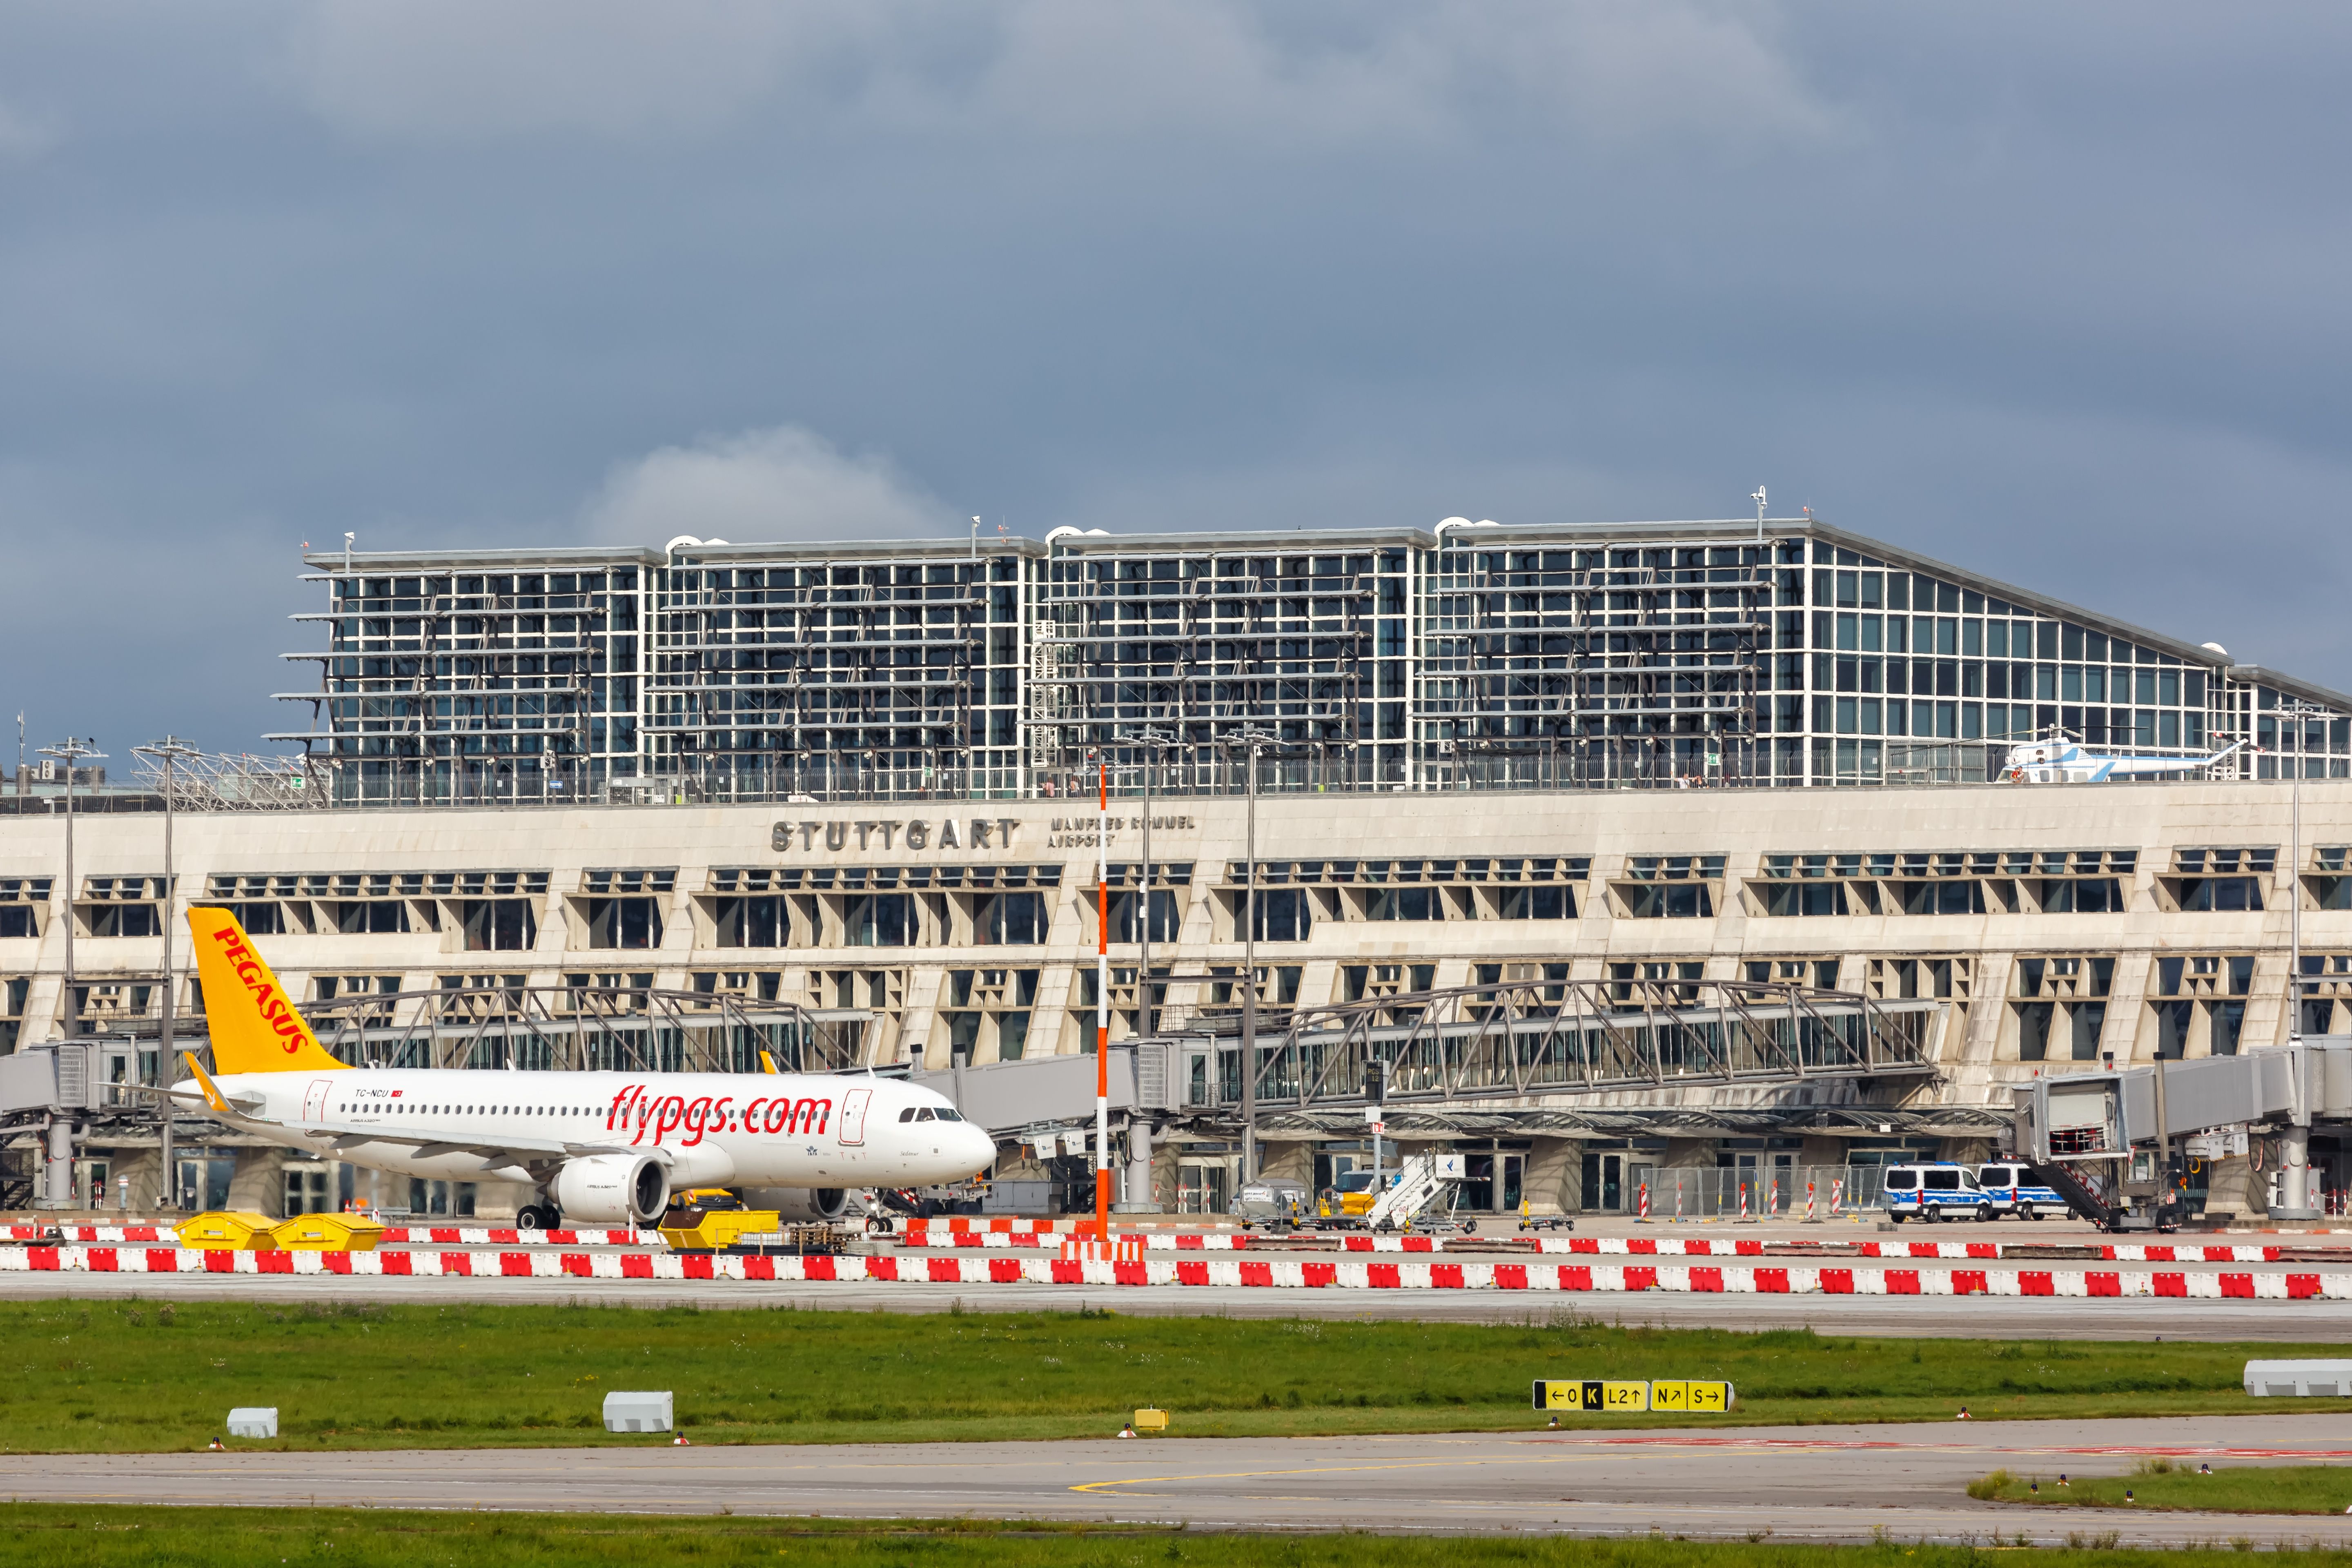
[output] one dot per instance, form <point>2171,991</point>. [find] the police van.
<point>2013,1190</point>
<point>1936,1191</point>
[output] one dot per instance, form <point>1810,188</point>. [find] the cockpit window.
<point>947,1115</point>
<point>907,1114</point>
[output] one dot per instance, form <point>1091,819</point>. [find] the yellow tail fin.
<point>253,1022</point>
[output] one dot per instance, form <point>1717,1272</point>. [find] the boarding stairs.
<point>1421,1181</point>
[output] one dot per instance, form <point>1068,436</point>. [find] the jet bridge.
<point>2126,1121</point>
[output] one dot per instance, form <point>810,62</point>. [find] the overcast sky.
<point>2057,292</point>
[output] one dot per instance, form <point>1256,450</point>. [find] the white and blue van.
<point>1936,1191</point>
<point>2011,1189</point>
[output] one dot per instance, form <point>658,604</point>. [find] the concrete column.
<point>1291,1161</point>
<point>1553,1171</point>
<point>60,1165</point>
<point>2231,1187</point>
<point>1139,1197</point>
<point>2295,1176</point>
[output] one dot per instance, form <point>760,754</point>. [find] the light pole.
<point>2294,1168</point>
<point>1150,739</point>
<point>170,749</point>
<point>2300,712</point>
<point>1252,738</point>
<point>71,752</point>
<point>60,1129</point>
<point>1102,999</point>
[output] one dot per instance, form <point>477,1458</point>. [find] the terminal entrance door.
<point>1493,1181</point>
<point>1604,1183</point>
<point>92,1188</point>
<point>204,1183</point>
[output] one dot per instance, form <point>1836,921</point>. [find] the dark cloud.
<point>2051,293</point>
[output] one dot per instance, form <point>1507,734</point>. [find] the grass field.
<point>123,1537</point>
<point>2168,1484</point>
<point>121,1375</point>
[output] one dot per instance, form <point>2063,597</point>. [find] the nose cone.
<point>974,1150</point>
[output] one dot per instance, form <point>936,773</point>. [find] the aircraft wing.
<point>495,1150</point>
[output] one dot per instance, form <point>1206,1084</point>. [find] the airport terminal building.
<point>1720,808</point>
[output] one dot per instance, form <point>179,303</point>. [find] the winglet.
<point>253,1022</point>
<point>768,1063</point>
<point>212,1096</point>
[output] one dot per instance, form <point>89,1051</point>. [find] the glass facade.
<point>1472,657</point>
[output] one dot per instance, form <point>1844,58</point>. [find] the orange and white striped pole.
<point>1809,1202</point>
<point>1102,999</point>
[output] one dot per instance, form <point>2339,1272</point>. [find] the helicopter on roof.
<point>2062,759</point>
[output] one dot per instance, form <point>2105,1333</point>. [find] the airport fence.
<point>1756,1192</point>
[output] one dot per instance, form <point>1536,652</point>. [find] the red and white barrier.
<point>471,1236</point>
<point>1155,1241</point>
<point>108,1233</point>
<point>1272,1273</point>
<point>991,1224</point>
<point>963,1234</point>
<point>1726,1247</point>
<point>434,1236</point>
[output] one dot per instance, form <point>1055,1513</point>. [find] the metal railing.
<point>1759,1191</point>
<point>586,1029</point>
<point>1195,769</point>
<point>1523,1038</point>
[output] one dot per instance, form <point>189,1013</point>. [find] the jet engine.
<point>613,1189</point>
<point>800,1205</point>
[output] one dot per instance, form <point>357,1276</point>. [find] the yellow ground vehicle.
<point>710,1220</point>
<point>1352,1196</point>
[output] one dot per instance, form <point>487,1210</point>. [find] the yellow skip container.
<point>327,1233</point>
<point>228,1230</point>
<point>714,1230</point>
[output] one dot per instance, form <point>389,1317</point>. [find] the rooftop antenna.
<point>975,539</point>
<point>1758,499</point>
<point>349,539</point>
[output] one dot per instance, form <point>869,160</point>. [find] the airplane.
<point>599,1148</point>
<point>2063,759</point>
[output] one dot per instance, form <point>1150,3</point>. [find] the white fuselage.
<point>781,1130</point>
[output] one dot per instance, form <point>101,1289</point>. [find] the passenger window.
<point>1902,1180</point>
<point>1943,1181</point>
